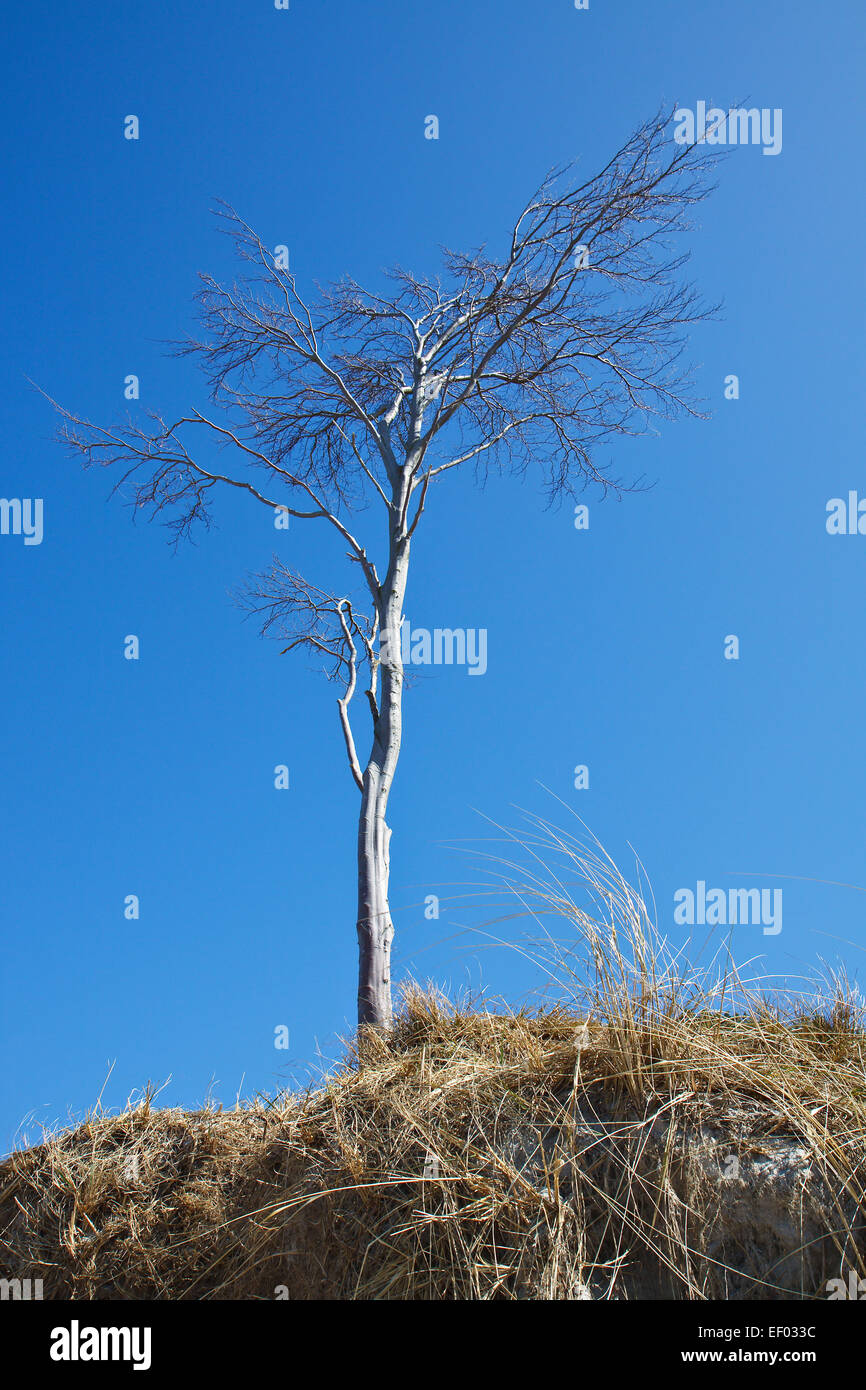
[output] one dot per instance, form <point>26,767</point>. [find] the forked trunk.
<point>375,928</point>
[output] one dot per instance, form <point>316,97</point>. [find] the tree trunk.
<point>375,928</point>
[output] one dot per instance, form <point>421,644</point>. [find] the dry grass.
<point>655,1133</point>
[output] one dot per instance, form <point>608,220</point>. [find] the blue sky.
<point>155,777</point>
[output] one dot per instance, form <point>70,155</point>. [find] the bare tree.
<point>574,334</point>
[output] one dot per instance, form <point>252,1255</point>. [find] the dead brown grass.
<point>655,1136</point>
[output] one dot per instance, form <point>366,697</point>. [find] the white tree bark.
<point>374,925</point>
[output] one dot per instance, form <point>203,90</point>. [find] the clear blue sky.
<point>605,647</point>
